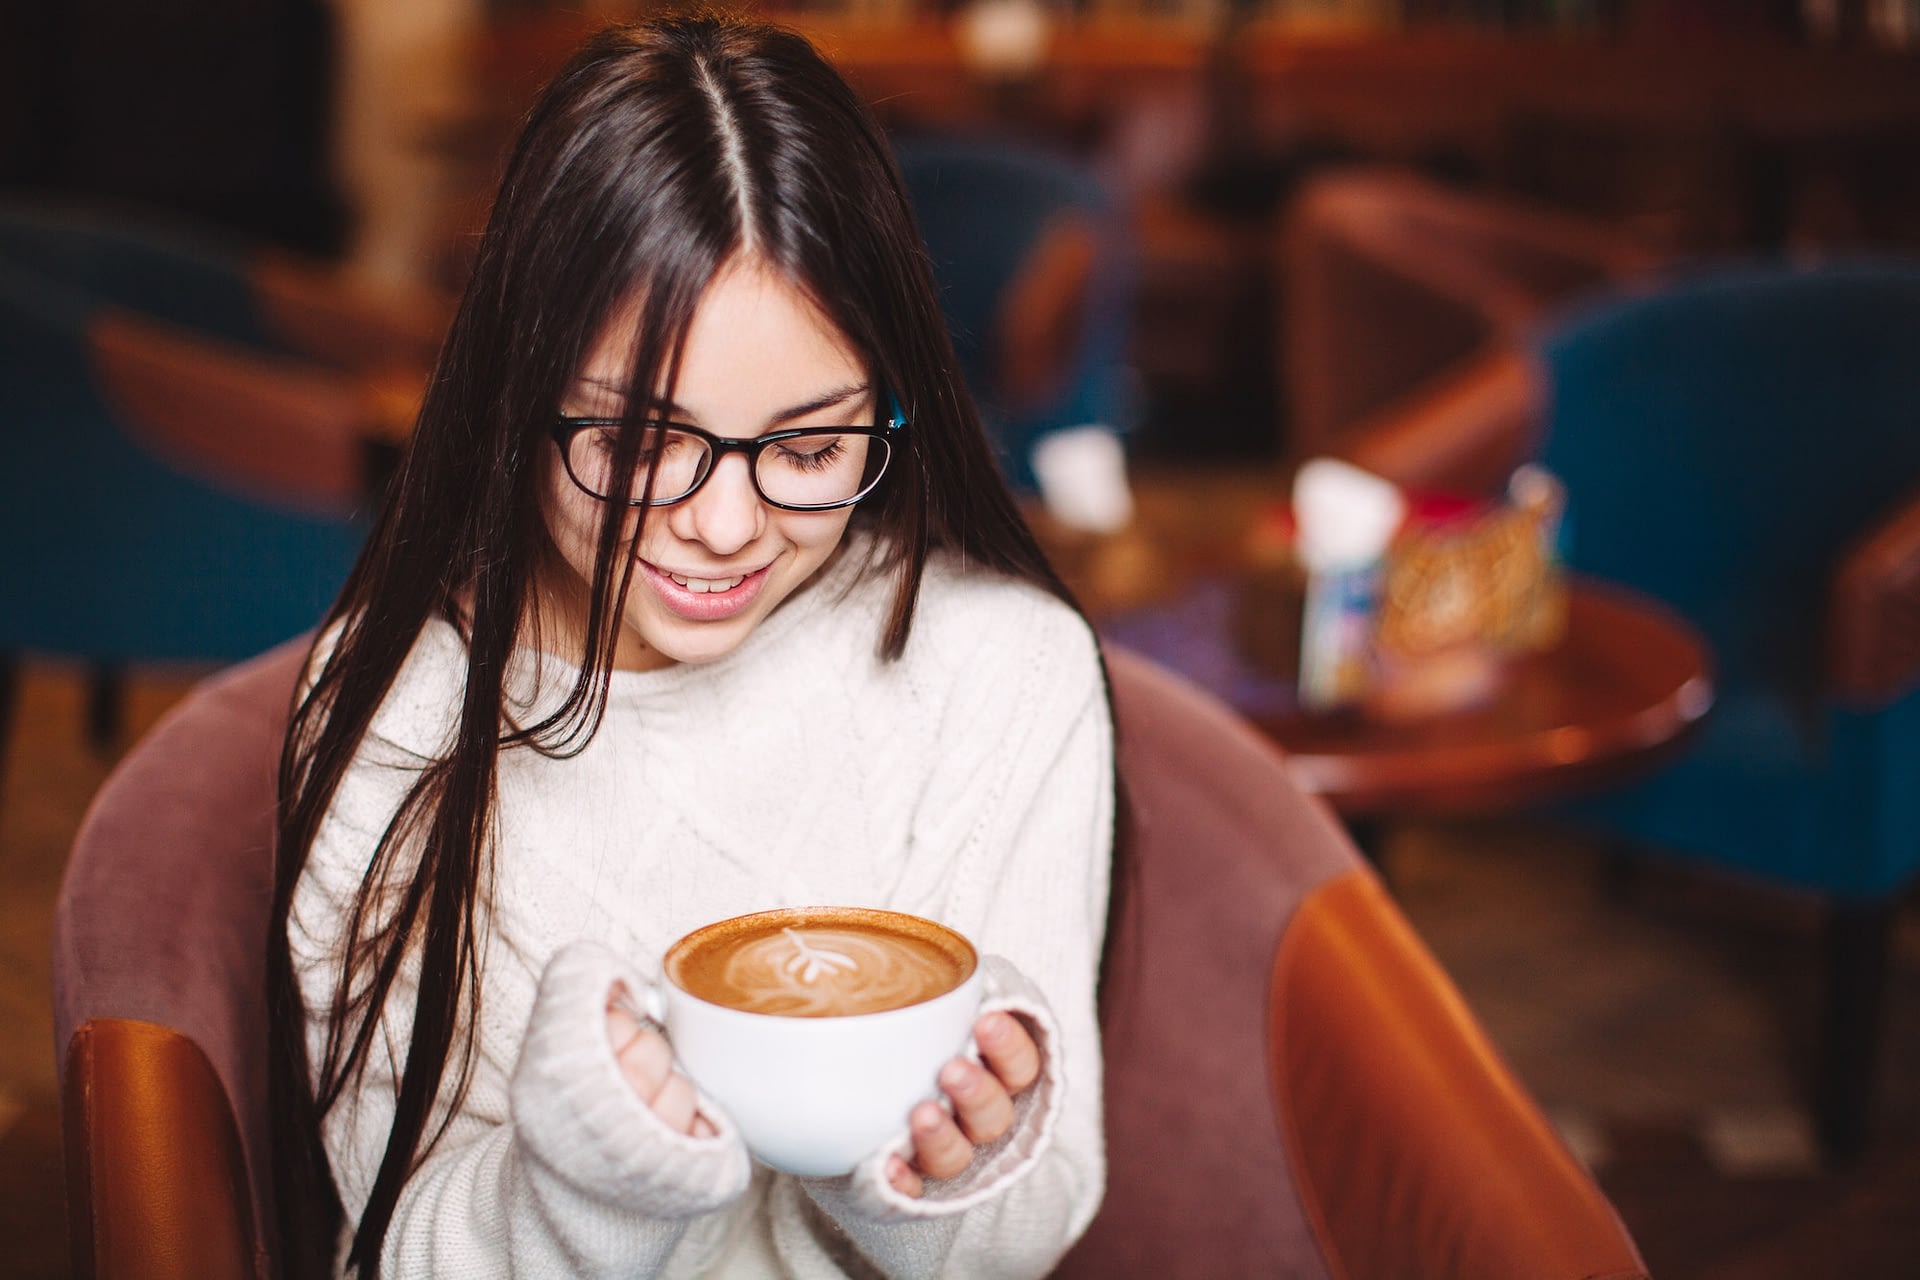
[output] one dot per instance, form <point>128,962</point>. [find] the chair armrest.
<point>1510,258</point>
<point>1873,613</point>
<point>278,428</point>
<point>1041,317</point>
<point>1418,1152</point>
<point>156,1184</point>
<point>346,321</point>
<point>1465,432</point>
<point>1389,279</point>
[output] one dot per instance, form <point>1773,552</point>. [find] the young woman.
<point>698,593</point>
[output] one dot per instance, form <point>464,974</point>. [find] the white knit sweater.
<point>969,781</point>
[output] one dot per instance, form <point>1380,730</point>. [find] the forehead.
<point>757,342</point>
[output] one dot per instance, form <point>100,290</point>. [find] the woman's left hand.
<point>982,1097</point>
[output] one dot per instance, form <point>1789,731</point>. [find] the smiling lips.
<point>704,599</point>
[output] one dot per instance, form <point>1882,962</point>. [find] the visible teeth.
<point>701,585</point>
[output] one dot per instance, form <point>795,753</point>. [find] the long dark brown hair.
<point>660,152</point>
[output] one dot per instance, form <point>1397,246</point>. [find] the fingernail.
<point>955,1077</point>
<point>926,1120</point>
<point>992,1027</point>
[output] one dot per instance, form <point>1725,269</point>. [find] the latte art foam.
<point>820,963</point>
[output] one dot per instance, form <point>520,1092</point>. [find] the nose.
<point>726,513</point>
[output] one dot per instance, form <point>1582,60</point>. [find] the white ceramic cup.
<point>817,1095</point>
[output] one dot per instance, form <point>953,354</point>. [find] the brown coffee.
<point>820,962</point>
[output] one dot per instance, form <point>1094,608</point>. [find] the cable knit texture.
<point>970,781</point>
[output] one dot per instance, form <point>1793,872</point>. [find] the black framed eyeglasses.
<point>811,469</point>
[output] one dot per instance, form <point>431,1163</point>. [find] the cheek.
<point>819,533</point>
<point>573,525</point>
<point>569,528</point>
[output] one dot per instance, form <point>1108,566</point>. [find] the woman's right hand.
<point>646,1060</point>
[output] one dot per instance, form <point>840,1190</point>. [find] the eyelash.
<point>819,459</point>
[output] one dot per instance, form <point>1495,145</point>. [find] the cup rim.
<point>876,914</point>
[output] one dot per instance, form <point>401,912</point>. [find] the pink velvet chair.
<point>1294,1088</point>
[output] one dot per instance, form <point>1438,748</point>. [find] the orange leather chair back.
<point>156,1178</point>
<point>159,944</point>
<point>1419,1152</point>
<point>1294,1087</point>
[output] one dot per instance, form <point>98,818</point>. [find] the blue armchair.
<point>1732,444</point>
<point>165,498</point>
<point>261,371</point>
<point>1743,442</point>
<point>1034,270</point>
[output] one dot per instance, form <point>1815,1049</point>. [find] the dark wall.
<point>220,109</point>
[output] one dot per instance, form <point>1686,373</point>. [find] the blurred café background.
<point>1187,246</point>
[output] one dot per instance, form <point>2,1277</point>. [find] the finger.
<point>939,1148</point>
<point>703,1127</point>
<point>903,1179</point>
<point>676,1104</point>
<point>981,1105</point>
<point>1008,1050</point>
<point>645,1057</point>
<point>622,1027</point>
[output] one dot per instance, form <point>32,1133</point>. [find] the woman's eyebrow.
<point>587,384</point>
<point>827,400</point>
<point>667,408</point>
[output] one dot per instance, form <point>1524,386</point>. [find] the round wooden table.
<point>1623,688</point>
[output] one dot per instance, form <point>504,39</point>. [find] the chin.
<point>672,646</point>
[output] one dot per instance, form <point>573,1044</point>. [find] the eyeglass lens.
<point>814,469</point>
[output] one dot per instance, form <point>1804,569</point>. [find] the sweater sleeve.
<point>549,1164</point>
<point>1020,812</point>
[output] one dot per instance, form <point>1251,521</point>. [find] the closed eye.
<point>812,453</point>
